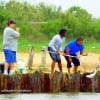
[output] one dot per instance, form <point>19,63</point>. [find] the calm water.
<point>60,96</point>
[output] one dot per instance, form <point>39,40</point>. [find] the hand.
<point>17,29</point>
<point>62,53</point>
<point>85,54</point>
<point>57,52</point>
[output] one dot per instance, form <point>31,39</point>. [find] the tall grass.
<point>93,46</point>
<point>24,45</point>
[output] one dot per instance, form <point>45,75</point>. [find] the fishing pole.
<point>62,54</point>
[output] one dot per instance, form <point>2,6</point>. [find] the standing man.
<point>55,46</point>
<point>10,38</point>
<point>71,49</point>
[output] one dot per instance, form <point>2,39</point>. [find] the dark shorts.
<point>54,56</point>
<point>10,56</point>
<point>75,61</point>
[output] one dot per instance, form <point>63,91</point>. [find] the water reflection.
<point>60,96</point>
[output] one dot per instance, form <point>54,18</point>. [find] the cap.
<point>11,22</point>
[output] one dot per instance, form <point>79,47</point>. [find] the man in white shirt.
<point>55,49</point>
<point>10,38</point>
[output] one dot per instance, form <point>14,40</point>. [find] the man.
<point>71,49</point>
<point>10,37</point>
<point>55,46</point>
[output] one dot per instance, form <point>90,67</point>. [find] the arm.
<point>17,30</point>
<point>83,53</point>
<point>61,50</point>
<point>68,53</point>
<point>15,33</point>
<point>52,43</point>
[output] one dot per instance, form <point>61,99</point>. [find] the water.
<point>60,96</point>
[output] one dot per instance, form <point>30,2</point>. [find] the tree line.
<point>42,21</point>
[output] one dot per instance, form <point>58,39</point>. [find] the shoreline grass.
<point>24,45</point>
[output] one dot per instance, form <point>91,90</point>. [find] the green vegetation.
<point>93,47</point>
<point>38,23</point>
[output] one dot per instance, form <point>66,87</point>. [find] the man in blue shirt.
<point>71,49</point>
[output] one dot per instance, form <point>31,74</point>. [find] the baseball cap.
<point>11,22</point>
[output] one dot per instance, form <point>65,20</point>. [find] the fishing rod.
<point>89,75</point>
<point>62,54</point>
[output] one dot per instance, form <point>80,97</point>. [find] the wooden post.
<point>85,83</point>
<point>39,82</point>
<point>30,59</point>
<point>46,80</point>
<point>95,85</point>
<point>56,82</point>
<point>98,84</point>
<point>15,80</point>
<point>75,83</point>
<point>65,83</point>
<point>43,57</point>
<point>34,82</point>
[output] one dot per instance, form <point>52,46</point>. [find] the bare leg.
<point>75,69</point>
<point>69,73</point>
<point>12,68</point>
<point>6,66</point>
<point>52,67</point>
<point>60,66</point>
<point>68,70</point>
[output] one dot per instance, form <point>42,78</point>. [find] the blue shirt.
<point>74,47</point>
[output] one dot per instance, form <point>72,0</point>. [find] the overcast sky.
<point>92,6</point>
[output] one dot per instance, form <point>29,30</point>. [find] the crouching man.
<point>71,49</point>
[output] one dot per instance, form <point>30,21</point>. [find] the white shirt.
<point>56,43</point>
<point>10,38</point>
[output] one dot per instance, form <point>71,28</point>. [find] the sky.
<point>92,6</point>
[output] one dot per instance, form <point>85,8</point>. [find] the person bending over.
<point>55,46</point>
<point>71,49</point>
